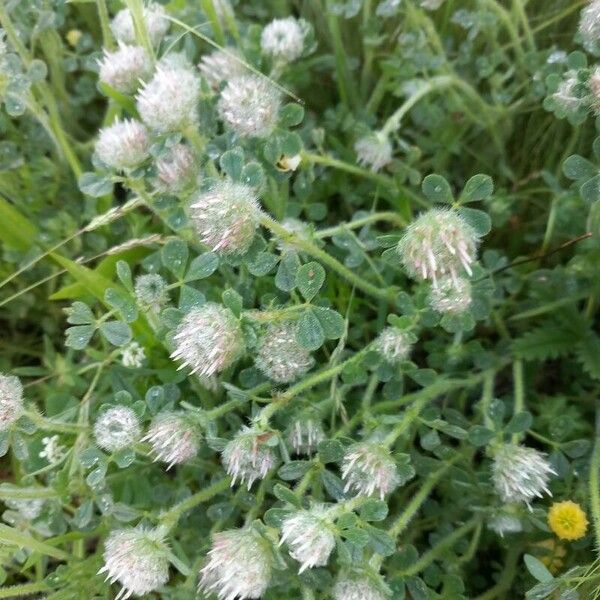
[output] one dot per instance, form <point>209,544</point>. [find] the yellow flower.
<point>567,520</point>
<point>73,37</point>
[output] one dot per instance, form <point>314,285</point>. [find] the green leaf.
<point>253,175</point>
<point>588,353</point>
<point>124,275</point>
<point>479,187</point>
<point>480,436</point>
<point>79,313</point>
<point>262,264</point>
<point>537,569</point>
<point>285,278</point>
<point>116,332</point>
<point>373,510</point>
<point>15,230</point>
<point>332,322</point>
<point>380,541</point>
<point>359,537</point>
<point>202,266</point>
<point>14,537</point>
<point>95,185</point>
<point>123,303</point>
<point>233,301</point>
<point>576,167</point>
<point>286,495</point>
<point>79,337</point>
<point>520,422</point>
<point>542,343</point>
<point>309,279</point>
<point>291,114</point>
<point>310,333</point>
<point>593,222</point>
<point>174,256</point>
<point>232,163</point>
<point>437,189</point>
<point>479,220</point>
<point>590,190</point>
<point>330,451</point>
<point>294,469</point>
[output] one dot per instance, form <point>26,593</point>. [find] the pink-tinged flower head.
<point>226,217</point>
<point>208,340</point>
<point>305,434</point>
<point>123,145</point>
<point>589,27</point>
<point>451,297</point>
<point>176,170</point>
<point>137,559</point>
<point>368,468</point>
<point>438,243</point>
<point>155,19</point>
<point>250,106</point>
<point>247,457</point>
<point>174,438</point>
<point>239,565</point>
<point>124,68</point>
<point>11,400</point>
<point>520,474</point>
<point>309,536</point>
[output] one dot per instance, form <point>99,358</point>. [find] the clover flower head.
<point>374,151</point>
<point>568,96</point>
<point>155,18</point>
<point>239,565</point>
<point>11,400</point>
<point>279,356</point>
<point>439,242</point>
<point>250,105</point>
<point>226,217</point>
<point>117,428</point>
<point>309,536</point>
<point>133,356</point>
<point>151,291</point>
<point>174,438</point>
<point>138,559</point>
<point>589,27</point>
<point>567,520</point>
<point>520,474</point>
<point>394,345</point>
<point>176,169</point>
<point>124,68</point>
<point>169,101</point>
<point>451,297</point>
<point>123,145</point>
<point>208,340</point>
<point>221,66</point>
<point>283,39</point>
<point>368,468</point>
<point>360,585</point>
<point>297,227</point>
<point>53,451</point>
<point>305,434</point>
<point>28,509</point>
<point>247,457</point>
<point>505,521</point>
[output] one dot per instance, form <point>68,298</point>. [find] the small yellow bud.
<point>73,36</point>
<point>567,520</point>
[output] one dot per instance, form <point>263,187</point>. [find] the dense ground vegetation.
<point>298,299</point>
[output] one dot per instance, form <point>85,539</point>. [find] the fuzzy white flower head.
<point>594,85</point>
<point>439,242</point>
<point>368,468</point>
<point>123,145</point>
<point>137,559</point>
<point>151,291</point>
<point>394,345</point>
<point>360,585</point>
<point>567,96</point>
<point>503,523</point>
<point>169,101</point>
<point>155,18</point>
<point>520,474</point>
<point>305,434</point>
<point>298,228</point>
<point>124,68</point>
<point>176,169</point>
<point>208,339</point>
<point>374,151</point>
<point>279,356</point>
<point>250,105</point>
<point>221,66</point>
<point>174,438</point>
<point>431,4</point>
<point>28,509</point>
<point>133,356</point>
<point>53,451</point>
<point>247,457</point>
<point>226,217</point>
<point>283,39</point>
<point>11,400</point>
<point>452,297</point>
<point>117,428</point>
<point>589,27</point>
<point>310,537</point>
<point>239,566</point>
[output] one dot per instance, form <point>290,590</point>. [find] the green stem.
<point>51,425</point>
<point>169,519</point>
<point>519,392</point>
<point>136,8</point>
<point>209,8</point>
<point>24,589</point>
<point>386,294</point>
<point>107,38</point>
<point>595,481</point>
<point>347,95</point>
<point>391,217</point>
<point>486,398</point>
